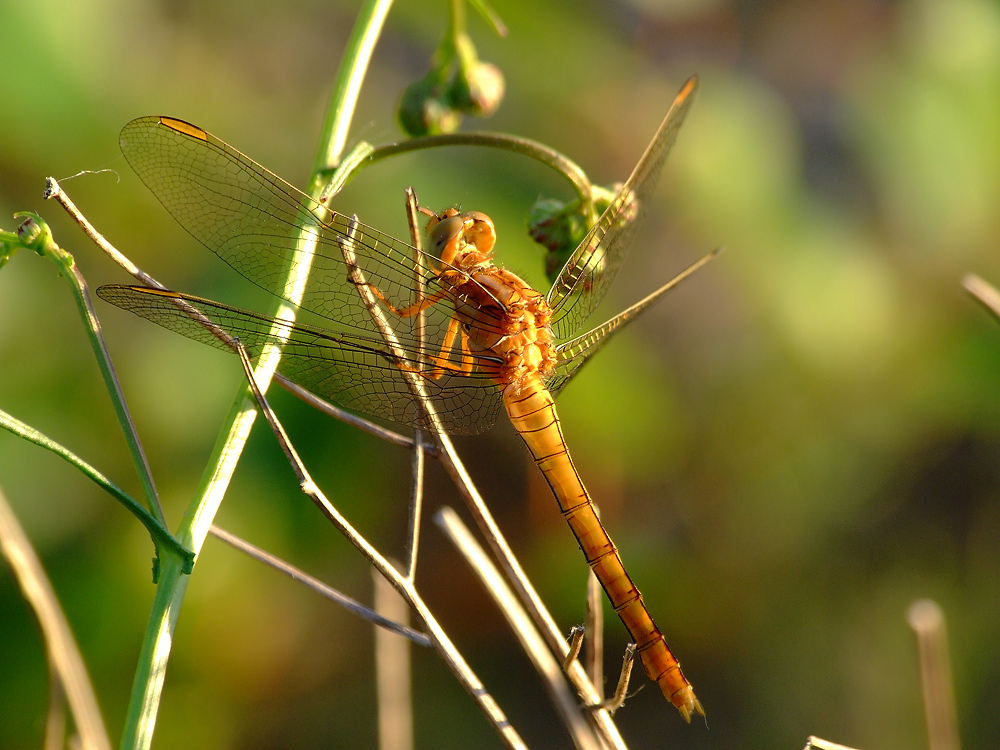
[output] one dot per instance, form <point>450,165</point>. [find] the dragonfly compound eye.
<point>435,218</point>
<point>445,232</point>
<point>481,232</point>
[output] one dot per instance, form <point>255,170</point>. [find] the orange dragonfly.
<point>475,335</point>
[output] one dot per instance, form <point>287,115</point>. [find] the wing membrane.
<point>353,370</point>
<point>252,219</point>
<point>588,273</point>
<point>575,353</point>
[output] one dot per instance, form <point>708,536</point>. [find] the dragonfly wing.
<point>573,354</point>
<point>353,370</point>
<point>255,222</point>
<point>588,273</point>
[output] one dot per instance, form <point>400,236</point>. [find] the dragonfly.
<point>476,336</point>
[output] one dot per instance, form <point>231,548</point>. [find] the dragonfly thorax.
<point>505,318</point>
<point>501,316</point>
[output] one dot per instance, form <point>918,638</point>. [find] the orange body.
<point>501,315</point>
<point>533,414</point>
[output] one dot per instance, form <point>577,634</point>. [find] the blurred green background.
<point>789,450</point>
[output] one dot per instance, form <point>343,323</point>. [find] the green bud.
<point>560,227</point>
<point>423,110</point>
<point>29,232</point>
<point>478,89</point>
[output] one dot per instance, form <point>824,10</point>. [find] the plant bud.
<point>423,111</point>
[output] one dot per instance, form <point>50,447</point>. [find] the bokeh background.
<point>789,450</point>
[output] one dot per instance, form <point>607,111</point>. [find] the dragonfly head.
<point>462,239</point>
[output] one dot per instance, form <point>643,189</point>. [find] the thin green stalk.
<point>147,688</point>
<point>490,16</point>
<point>347,88</point>
<point>151,669</point>
<point>159,533</point>
<point>516,144</point>
<point>41,241</point>
<point>456,21</point>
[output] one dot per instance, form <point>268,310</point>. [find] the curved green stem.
<point>548,156</point>
<point>490,16</point>
<point>41,242</point>
<point>339,177</point>
<point>347,87</point>
<point>161,537</point>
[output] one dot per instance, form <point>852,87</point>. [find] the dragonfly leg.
<point>410,310</point>
<point>442,360</point>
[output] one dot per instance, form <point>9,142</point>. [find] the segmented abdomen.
<point>533,414</point>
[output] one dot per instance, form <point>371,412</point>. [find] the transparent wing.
<point>255,221</point>
<point>353,370</point>
<point>575,353</point>
<point>588,273</point>
<point>267,231</point>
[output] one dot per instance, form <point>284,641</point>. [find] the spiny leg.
<point>442,360</point>
<point>410,310</point>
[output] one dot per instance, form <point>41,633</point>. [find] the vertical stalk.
<point>417,492</point>
<point>927,620</point>
<point>147,688</point>
<point>347,88</point>
<point>44,244</point>
<point>392,671</point>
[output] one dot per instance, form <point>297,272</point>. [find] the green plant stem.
<point>490,16</point>
<point>161,537</point>
<point>347,88</point>
<point>151,669</point>
<point>548,156</point>
<point>456,21</point>
<point>334,180</point>
<point>147,687</point>
<point>46,246</point>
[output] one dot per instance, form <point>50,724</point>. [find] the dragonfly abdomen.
<point>532,411</point>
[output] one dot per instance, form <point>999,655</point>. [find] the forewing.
<point>353,370</point>
<point>257,223</point>
<point>588,273</point>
